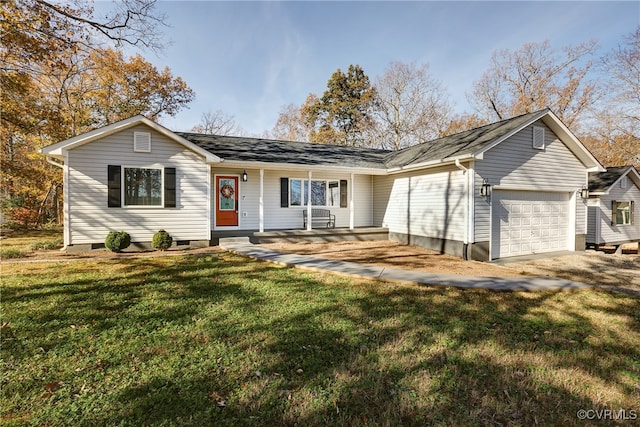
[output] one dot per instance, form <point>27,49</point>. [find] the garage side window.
<point>622,212</point>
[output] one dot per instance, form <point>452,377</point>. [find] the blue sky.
<point>249,59</point>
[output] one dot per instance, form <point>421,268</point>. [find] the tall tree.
<point>615,133</point>
<point>58,81</point>
<point>345,110</point>
<point>462,122</point>
<point>218,123</point>
<point>290,125</point>
<point>412,106</point>
<point>534,77</point>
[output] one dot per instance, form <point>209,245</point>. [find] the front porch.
<point>299,235</point>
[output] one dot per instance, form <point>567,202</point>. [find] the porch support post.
<point>352,208</point>
<point>261,208</point>
<point>309,202</point>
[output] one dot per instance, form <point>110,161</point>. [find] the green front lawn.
<point>221,340</point>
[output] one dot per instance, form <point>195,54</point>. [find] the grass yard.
<point>221,340</point>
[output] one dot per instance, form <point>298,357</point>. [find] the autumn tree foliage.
<point>405,106</point>
<point>534,77</point>
<point>412,106</point>
<point>344,112</point>
<point>290,125</point>
<point>60,78</point>
<point>614,135</point>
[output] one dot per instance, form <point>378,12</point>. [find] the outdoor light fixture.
<point>245,177</point>
<point>584,192</point>
<point>485,190</point>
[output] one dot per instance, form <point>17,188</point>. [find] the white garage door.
<point>529,222</point>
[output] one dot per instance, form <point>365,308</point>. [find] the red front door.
<point>226,201</point>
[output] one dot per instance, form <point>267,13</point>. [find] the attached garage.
<point>529,222</point>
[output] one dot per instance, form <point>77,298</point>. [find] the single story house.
<point>509,188</point>
<point>613,218</point>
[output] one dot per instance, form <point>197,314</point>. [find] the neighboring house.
<point>614,217</point>
<point>505,189</point>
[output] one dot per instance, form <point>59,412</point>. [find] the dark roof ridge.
<point>279,141</point>
<point>492,124</point>
<point>465,142</point>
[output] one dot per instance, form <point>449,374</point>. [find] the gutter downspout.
<point>465,246</point>
<point>61,165</point>
<point>53,162</point>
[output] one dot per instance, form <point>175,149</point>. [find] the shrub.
<point>162,240</point>
<point>47,245</point>
<point>116,241</point>
<point>12,253</point>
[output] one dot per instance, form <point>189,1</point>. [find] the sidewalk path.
<point>242,246</point>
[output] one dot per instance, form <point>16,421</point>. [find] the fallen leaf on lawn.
<point>221,402</point>
<point>51,387</point>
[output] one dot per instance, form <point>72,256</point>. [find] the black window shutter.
<point>169,187</point>
<point>284,192</point>
<point>113,184</point>
<point>631,211</point>
<point>343,193</point>
<point>614,217</point>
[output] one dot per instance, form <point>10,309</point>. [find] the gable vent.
<point>142,142</point>
<point>538,138</point>
<point>623,182</point>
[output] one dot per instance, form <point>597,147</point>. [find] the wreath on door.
<point>227,191</point>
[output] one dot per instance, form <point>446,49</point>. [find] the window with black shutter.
<point>114,181</point>
<point>142,186</point>
<point>169,187</point>
<point>284,192</point>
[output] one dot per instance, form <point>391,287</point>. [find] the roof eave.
<point>58,150</point>
<point>559,128</point>
<point>635,177</point>
<point>508,135</point>
<point>576,147</point>
<point>434,163</point>
<point>302,167</point>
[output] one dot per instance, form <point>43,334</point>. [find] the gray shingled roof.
<point>273,151</point>
<point>301,153</point>
<point>601,181</point>
<point>459,144</point>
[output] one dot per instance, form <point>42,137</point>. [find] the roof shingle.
<point>601,181</point>
<point>242,149</point>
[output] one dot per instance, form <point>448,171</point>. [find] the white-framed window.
<point>538,137</point>
<point>622,212</point>
<point>333,196</point>
<point>296,190</point>
<point>142,142</point>
<point>142,186</point>
<point>324,192</point>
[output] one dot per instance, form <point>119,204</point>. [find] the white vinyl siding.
<point>515,165</point>
<point>278,218</point>
<point>618,233</point>
<point>91,219</point>
<point>427,203</point>
<point>382,185</point>
<point>592,224</point>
